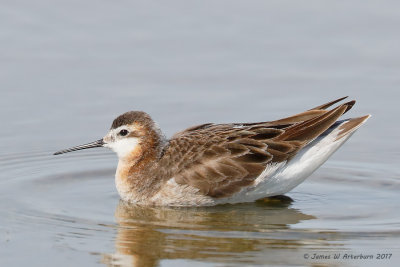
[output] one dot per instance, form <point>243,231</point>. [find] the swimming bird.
<point>212,164</point>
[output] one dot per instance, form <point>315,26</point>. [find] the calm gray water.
<point>67,68</point>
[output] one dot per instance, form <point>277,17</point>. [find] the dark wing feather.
<point>221,159</point>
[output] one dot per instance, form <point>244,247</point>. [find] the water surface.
<point>68,68</point>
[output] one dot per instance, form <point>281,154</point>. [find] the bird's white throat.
<point>123,147</point>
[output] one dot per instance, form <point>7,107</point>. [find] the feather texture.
<point>221,159</point>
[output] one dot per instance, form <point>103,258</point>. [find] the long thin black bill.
<point>97,143</point>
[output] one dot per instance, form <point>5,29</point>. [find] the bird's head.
<point>127,136</point>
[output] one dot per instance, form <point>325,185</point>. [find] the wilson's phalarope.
<point>213,164</point>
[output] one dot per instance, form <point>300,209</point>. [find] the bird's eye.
<point>123,132</point>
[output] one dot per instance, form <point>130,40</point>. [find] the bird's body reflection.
<point>147,235</point>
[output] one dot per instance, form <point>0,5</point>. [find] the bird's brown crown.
<point>132,116</point>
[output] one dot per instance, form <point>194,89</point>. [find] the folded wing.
<point>221,159</point>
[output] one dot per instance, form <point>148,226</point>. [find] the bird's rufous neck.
<point>133,179</point>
